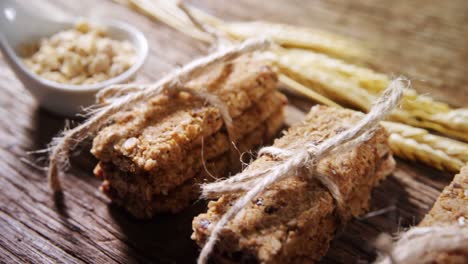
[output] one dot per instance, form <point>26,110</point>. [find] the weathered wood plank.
<point>425,40</point>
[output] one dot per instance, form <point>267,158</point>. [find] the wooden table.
<point>425,40</point>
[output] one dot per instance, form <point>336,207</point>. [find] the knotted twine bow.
<point>131,94</point>
<point>417,242</point>
<point>302,156</point>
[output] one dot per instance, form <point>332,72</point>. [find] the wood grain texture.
<point>425,40</point>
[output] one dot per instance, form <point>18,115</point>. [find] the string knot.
<point>314,155</point>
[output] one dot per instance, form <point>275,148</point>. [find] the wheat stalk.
<point>418,144</point>
<point>298,37</point>
<point>358,87</point>
<point>168,13</point>
<point>305,91</point>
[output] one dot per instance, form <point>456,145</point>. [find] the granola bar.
<point>156,148</point>
<point>161,179</point>
<point>145,204</point>
<point>169,124</point>
<point>450,208</point>
<point>147,185</point>
<point>175,201</point>
<point>294,220</point>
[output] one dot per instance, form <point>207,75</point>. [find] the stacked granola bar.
<point>293,220</point>
<point>450,208</point>
<point>153,158</point>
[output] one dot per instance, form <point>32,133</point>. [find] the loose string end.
<point>54,180</point>
<point>384,245</point>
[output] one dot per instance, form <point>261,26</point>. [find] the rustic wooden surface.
<point>425,40</point>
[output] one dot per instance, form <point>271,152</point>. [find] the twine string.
<point>418,242</point>
<point>216,102</point>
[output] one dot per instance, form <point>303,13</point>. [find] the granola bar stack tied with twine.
<point>153,158</point>
<point>441,237</point>
<point>294,219</point>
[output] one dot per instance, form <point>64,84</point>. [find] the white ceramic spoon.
<point>19,25</point>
